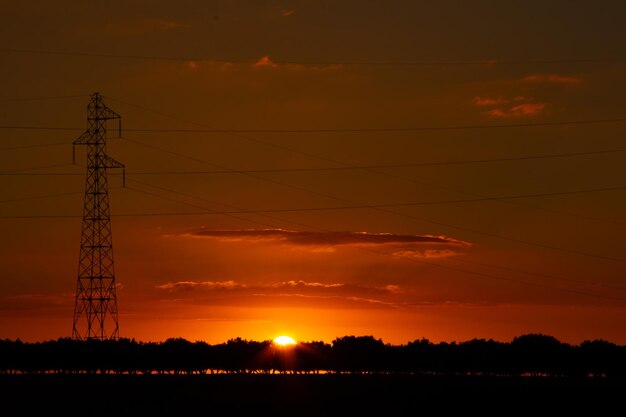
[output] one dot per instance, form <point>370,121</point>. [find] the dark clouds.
<point>402,245</point>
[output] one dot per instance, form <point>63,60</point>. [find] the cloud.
<point>527,109</point>
<point>208,65</point>
<point>204,285</point>
<point>520,110</point>
<point>551,79</point>
<point>288,286</point>
<point>488,101</point>
<point>306,284</point>
<point>322,238</point>
<point>427,254</point>
<point>511,97</point>
<point>304,294</point>
<point>264,62</point>
<point>419,246</point>
<point>329,294</point>
<point>287,13</point>
<point>516,106</point>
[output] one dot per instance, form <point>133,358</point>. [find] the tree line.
<point>531,354</point>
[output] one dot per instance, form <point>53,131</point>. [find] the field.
<point>306,395</point>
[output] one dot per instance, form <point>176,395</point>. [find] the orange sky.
<point>453,271</point>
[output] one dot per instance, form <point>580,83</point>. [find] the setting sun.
<point>284,341</point>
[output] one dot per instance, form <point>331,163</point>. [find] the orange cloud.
<point>193,65</point>
<point>518,106</point>
<point>287,13</point>
<point>419,246</point>
<point>488,101</point>
<point>321,238</point>
<point>265,62</point>
<point>520,110</point>
<point>552,79</point>
<point>527,109</point>
<point>427,254</point>
<point>326,294</point>
<point>510,98</point>
<point>211,65</point>
<point>205,285</point>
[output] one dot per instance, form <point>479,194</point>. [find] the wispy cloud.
<point>202,285</point>
<point>327,295</point>
<point>421,246</point>
<point>267,63</point>
<point>483,101</point>
<point>322,238</point>
<point>427,253</point>
<point>526,96</point>
<point>287,13</point>
<point>520,110</point>
<point>261,65</point>
<point>516,106</point>
<point>552,79</point>
<point>231,292</point>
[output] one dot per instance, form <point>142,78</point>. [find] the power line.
<point>229,214</point>
<point>40,197</point>
<point>332,168</point>
<point>43,197</point>
<point>328,238</point>
<point>491,276</point>
<point>503,201</point>
<point>356,205</point>
<point>438,163</point>
<point>11,100</point>
<point>402,204</point>
<point>247,138</point>
<point>342,168</point>
<point>17,170</point>
<point>485,62</point>
<point>390,212</point>
<point>384,129</point>
<point>385,210</point>
<point>338,130</point>
<point>370,169</point>
<point>37,145</point>
<point>314,156</point>
<point>240,211</point>
<point>474,272</point>
<point>539,274</point>
<point>23,127</point>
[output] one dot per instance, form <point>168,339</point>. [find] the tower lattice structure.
<point>95,307</point>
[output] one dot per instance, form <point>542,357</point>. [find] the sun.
<point>284,341</point>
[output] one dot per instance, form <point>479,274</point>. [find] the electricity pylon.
<point>95,307</point>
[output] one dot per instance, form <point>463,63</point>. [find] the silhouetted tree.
<point>539,354</point>
<point>533,354</point>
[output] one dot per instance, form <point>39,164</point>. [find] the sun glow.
<point>284,341</point>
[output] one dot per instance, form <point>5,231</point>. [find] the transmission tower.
<point>95,307</point>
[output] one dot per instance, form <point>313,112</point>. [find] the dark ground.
<point>307,395</point>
